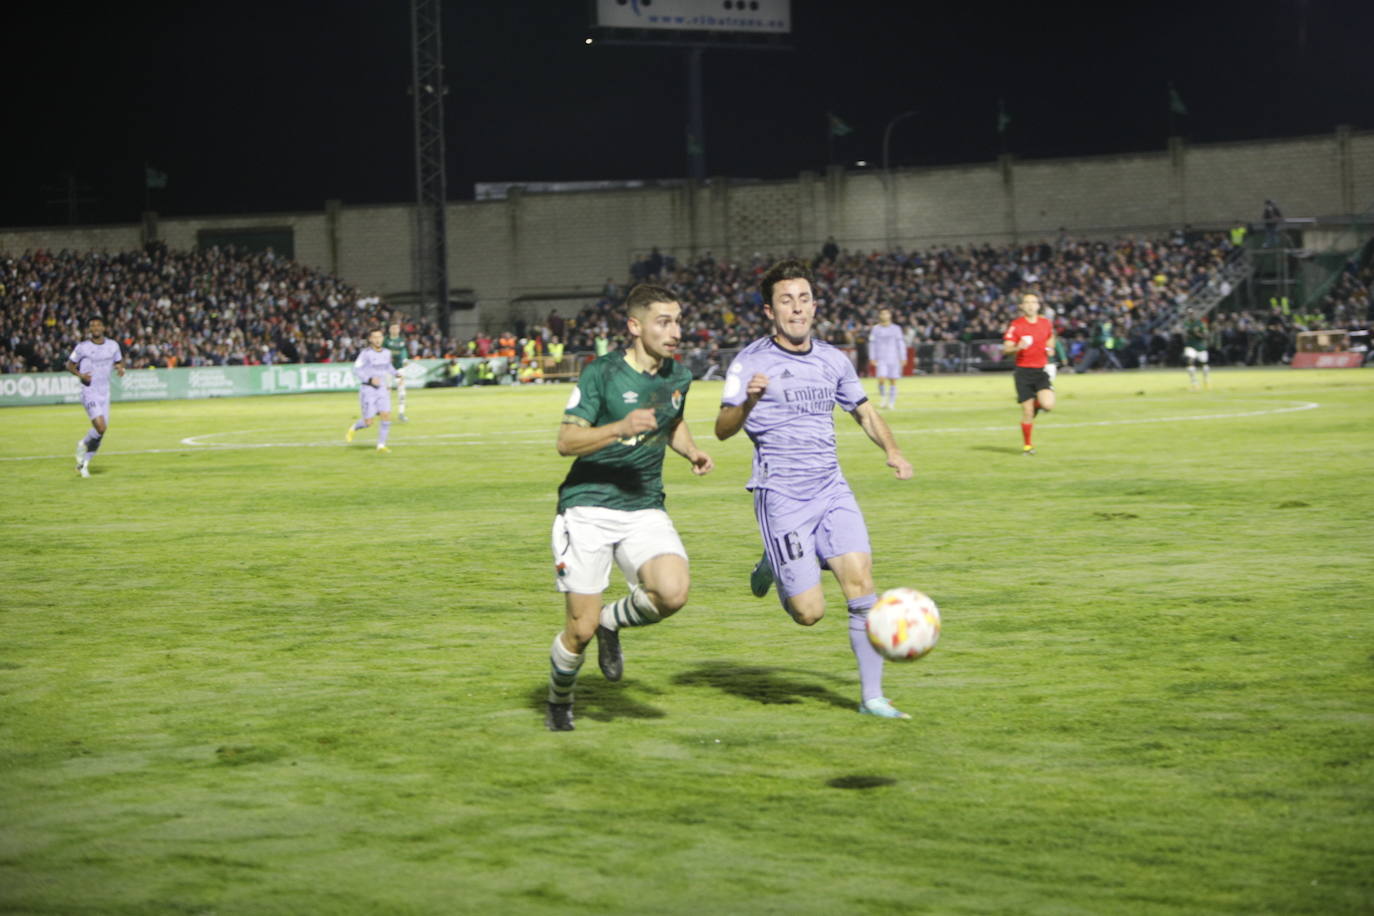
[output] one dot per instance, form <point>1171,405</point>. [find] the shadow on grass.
<point>860,781</point>
<point>769,686</point>
<point>996,449</point>
<point>602,701</point>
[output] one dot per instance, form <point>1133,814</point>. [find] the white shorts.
<point>410,372</point>
<point>1195,356</point>
<point>587,538</point>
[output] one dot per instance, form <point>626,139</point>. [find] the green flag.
<point>1003,119</point>
<point>153,179</point>
<point>1176,105</point>
<point>837,127</point>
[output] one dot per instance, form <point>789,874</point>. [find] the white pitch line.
<point>232,447</point>
<point>210,446</point>
<point>451,439</point>
<point>193,440</point>
<point>1051,424</point>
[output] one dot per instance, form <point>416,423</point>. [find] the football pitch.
<point>245,668</point>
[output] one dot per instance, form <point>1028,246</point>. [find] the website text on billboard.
<point>741,16</point>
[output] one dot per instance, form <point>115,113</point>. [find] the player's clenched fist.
<point>638,421</point>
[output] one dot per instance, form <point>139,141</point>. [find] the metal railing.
<point>1209,292</point>
<point>1320,272</point>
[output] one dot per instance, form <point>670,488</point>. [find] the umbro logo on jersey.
<point>786,373</point>
<point>632,397</point>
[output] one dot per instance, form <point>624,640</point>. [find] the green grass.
<point>309,678</point>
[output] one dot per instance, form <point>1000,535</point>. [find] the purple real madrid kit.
<point>805,509</point>
<point>369,365</point>
<point>98,361</point>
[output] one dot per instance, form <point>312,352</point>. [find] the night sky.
<point>258,106</point>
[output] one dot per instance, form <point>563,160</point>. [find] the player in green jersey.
<point>626,410</point>
<point>1195,336</point>
<point>400,355</point>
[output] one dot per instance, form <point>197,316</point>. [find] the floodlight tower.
<point>428,91</point>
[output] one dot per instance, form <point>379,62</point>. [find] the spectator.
<point>830,251</point>
<point>219,306</point>
<point>1103,347</point>
<point>222,306</point>
<point>1272,217</point>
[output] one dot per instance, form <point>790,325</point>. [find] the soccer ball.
<point>904,624</point>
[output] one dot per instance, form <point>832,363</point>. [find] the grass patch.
<point>266,672</point>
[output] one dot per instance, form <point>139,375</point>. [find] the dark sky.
<point>255,106</point>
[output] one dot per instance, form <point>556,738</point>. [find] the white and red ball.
<point>904,625</point>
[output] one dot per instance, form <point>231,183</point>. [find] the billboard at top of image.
<point>749,16</point>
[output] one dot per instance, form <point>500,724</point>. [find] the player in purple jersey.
<point>781,390</point>
<point>92,361</point>
<point>887,350</point>
<point>374,370</point>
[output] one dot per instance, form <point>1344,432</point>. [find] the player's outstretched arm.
<point>683,443</point>
<point>577,437</point>
<point>877,429</point>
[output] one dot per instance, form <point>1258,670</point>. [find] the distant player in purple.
<point>781,391</point>
<point>887,350</point>
<point>92,361</point>
<point>374,370</point>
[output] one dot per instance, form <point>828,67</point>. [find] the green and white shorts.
<point>586,539</point>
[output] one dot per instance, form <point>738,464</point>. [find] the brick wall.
<point>1361,162</point>
<point>515,250</point>
<point>75,238</point>
<point>374,246</point>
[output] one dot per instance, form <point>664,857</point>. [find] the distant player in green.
<point>1195,336</point>
<point>626,410</point>
<point>400,355</point>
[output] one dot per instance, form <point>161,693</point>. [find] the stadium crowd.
<point>1113,304</point>
<point>185,308</point>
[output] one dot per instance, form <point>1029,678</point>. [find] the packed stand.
<point>1114,303</point>
<point>170,308</point>
<point>1351,298</point>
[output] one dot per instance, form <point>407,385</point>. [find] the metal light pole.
<point>890,197</point>
<point>887,135</point>
<point>696,130</point>
<point>431,184</point>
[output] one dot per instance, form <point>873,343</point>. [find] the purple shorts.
<point>800,534</point>
<point>374,400</point>
<point>97,404</point>
<point>888,369</point>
